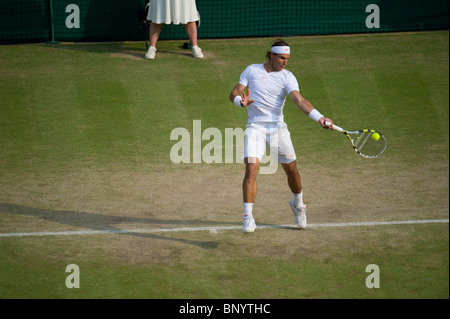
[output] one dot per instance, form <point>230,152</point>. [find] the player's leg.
<point>254,149</point>
<point>293,177</point>
<point>249,186</point>
<point>294,182</point>
<point>249,189</point>
<point>287,158</point>
<point>296,203</point>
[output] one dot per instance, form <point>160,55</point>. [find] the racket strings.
<point>366,145</point>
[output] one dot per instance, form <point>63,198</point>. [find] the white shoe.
<point>197,52</point>
<point>299,214</point>
<point>249,225</point>
<point>151,53</point>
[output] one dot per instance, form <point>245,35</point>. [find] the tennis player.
<point>268,85</point>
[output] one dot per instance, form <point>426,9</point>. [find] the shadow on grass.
<point>132,50</point>
<point>106,223</point>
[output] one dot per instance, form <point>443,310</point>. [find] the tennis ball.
<point>375,136</point>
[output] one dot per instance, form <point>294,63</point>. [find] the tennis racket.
<point>367,143</point>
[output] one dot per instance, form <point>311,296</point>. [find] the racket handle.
<point>335,127</point>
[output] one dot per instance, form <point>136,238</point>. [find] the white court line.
<point>213,229</point>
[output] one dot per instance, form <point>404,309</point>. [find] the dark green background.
<point>104,20</point>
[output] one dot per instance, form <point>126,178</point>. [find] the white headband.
<point>281,49</point>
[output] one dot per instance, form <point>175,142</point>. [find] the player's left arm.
<point>306,107</point>
<point>239,90</point>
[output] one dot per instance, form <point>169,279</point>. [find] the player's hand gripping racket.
<point>367,143</point>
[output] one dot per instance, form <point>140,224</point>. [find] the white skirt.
<point>172,11</point>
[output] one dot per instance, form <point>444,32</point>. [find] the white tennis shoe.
<point>197,52</point>
<point>151,53</point>
<point>249,225</point>
<point>299,214</point>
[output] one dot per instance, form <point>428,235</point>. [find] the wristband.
<point>237,100</point>
<point>315,115</point>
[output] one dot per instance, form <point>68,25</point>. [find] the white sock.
<point>298,200</point>
<point>248,208</point>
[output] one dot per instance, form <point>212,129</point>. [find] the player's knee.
<point>291,168</point>
<point>251,169</point>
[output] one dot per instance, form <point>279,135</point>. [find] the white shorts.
<point>172,11</point>
<point>259,136</point>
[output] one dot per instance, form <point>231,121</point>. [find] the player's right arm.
<point>239,90</point>
<point>306,107</point>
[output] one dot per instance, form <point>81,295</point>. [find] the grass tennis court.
<point>85,143</point>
